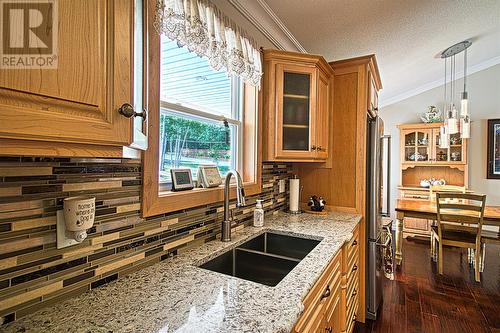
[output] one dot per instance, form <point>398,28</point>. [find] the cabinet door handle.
<point>354,317</point>
<point>128,111</point>
<point>354,293</point>
<point>354,268</point>
<point>329,329</point>
<point>313,148</point>
<point>320,148</point>
<point>326,293</point>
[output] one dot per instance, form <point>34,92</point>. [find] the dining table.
<point>427,210</point>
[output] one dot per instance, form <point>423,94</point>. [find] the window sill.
<point>248,186</point>
<point>169,201</point>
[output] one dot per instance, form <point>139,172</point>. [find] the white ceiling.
<point>405,35</point>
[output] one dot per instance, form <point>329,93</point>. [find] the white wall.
<point>484,103</point>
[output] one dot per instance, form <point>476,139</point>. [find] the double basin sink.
<point>264,259</point>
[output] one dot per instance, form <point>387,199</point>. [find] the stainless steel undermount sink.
<point>264,259</point>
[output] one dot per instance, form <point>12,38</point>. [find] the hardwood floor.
<point>420,300</point>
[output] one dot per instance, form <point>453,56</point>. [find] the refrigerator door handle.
<point>385,233</point>
<point>384,245</point>
<point>387,213</point>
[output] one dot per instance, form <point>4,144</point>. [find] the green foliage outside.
<point>178,133</point>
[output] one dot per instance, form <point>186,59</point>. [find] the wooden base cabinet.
<point>297,102</point>
<point>78,101</point>
<point>350,282</point>
<point>332,304</point>
<point>322,305</point>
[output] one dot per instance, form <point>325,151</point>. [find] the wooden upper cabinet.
<point>77,102</point>
<point>296,106</point>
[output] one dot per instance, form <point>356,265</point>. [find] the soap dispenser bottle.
<point>258,214</point>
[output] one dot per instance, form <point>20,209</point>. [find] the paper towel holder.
<point>299,210</point>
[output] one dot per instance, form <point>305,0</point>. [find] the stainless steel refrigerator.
<point>377,206</point>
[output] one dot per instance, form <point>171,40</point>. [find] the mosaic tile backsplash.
<point>34,273</point>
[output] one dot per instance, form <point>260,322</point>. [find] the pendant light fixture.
<point>455,123</point>
<point>464,105</point>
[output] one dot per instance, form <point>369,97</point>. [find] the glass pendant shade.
<point>453,121</point>
<point>465,127</point>
<point>464,105</point>
<point>453,125</point>
<point>444,137</point>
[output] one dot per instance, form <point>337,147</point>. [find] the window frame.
<point>156,202</point>
<point>201,115</point>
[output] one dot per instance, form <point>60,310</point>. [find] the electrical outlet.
<point>281,185</point>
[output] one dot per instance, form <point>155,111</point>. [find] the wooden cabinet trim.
<point>14,147</point>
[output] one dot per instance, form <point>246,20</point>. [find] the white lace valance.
<point>205,30</point>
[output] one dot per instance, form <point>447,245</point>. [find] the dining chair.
<point>459,224</point>
<point>433,189</point>
<point>444,188</point>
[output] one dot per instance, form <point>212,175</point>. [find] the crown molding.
<point>281,25</point>
<point>265,29</point>
<point>437,83</point>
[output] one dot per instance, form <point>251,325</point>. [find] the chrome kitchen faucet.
<point>240,202</point>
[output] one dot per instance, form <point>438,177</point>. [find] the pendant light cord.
<point>452,79</point>
<point>445,85</point>
<point>465,70</point>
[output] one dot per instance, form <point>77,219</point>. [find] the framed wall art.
<point>493,162</point>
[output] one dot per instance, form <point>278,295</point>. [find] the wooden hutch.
<point>423,158</point>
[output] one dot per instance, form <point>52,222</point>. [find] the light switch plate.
<point>281,185</point>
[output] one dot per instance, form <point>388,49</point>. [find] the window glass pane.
<point>188,142</point>
<point>188,80</point>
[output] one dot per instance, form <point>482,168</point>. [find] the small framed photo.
<point>493,162</point>
<point>182,179</point>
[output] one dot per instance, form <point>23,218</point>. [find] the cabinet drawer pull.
<point>128,111</point>
<point>329,329</point>
<point>354,268</point>
<point>354,293</point>
<point>354,317</point>
<point>355,243</point>
<point>326,293</point>
<point>314,147</point>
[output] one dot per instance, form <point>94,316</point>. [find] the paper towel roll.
<point>294,194</point>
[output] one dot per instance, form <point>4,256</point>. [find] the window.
<point>194,107</point>
<point>200,111</point>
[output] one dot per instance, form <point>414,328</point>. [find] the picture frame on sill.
<point>493,152</point>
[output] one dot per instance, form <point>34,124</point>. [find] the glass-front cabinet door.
<point>296,111</point>
<point>417,146</point>
<point>455,154</point>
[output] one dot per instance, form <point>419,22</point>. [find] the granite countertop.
<point>177,296</point>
